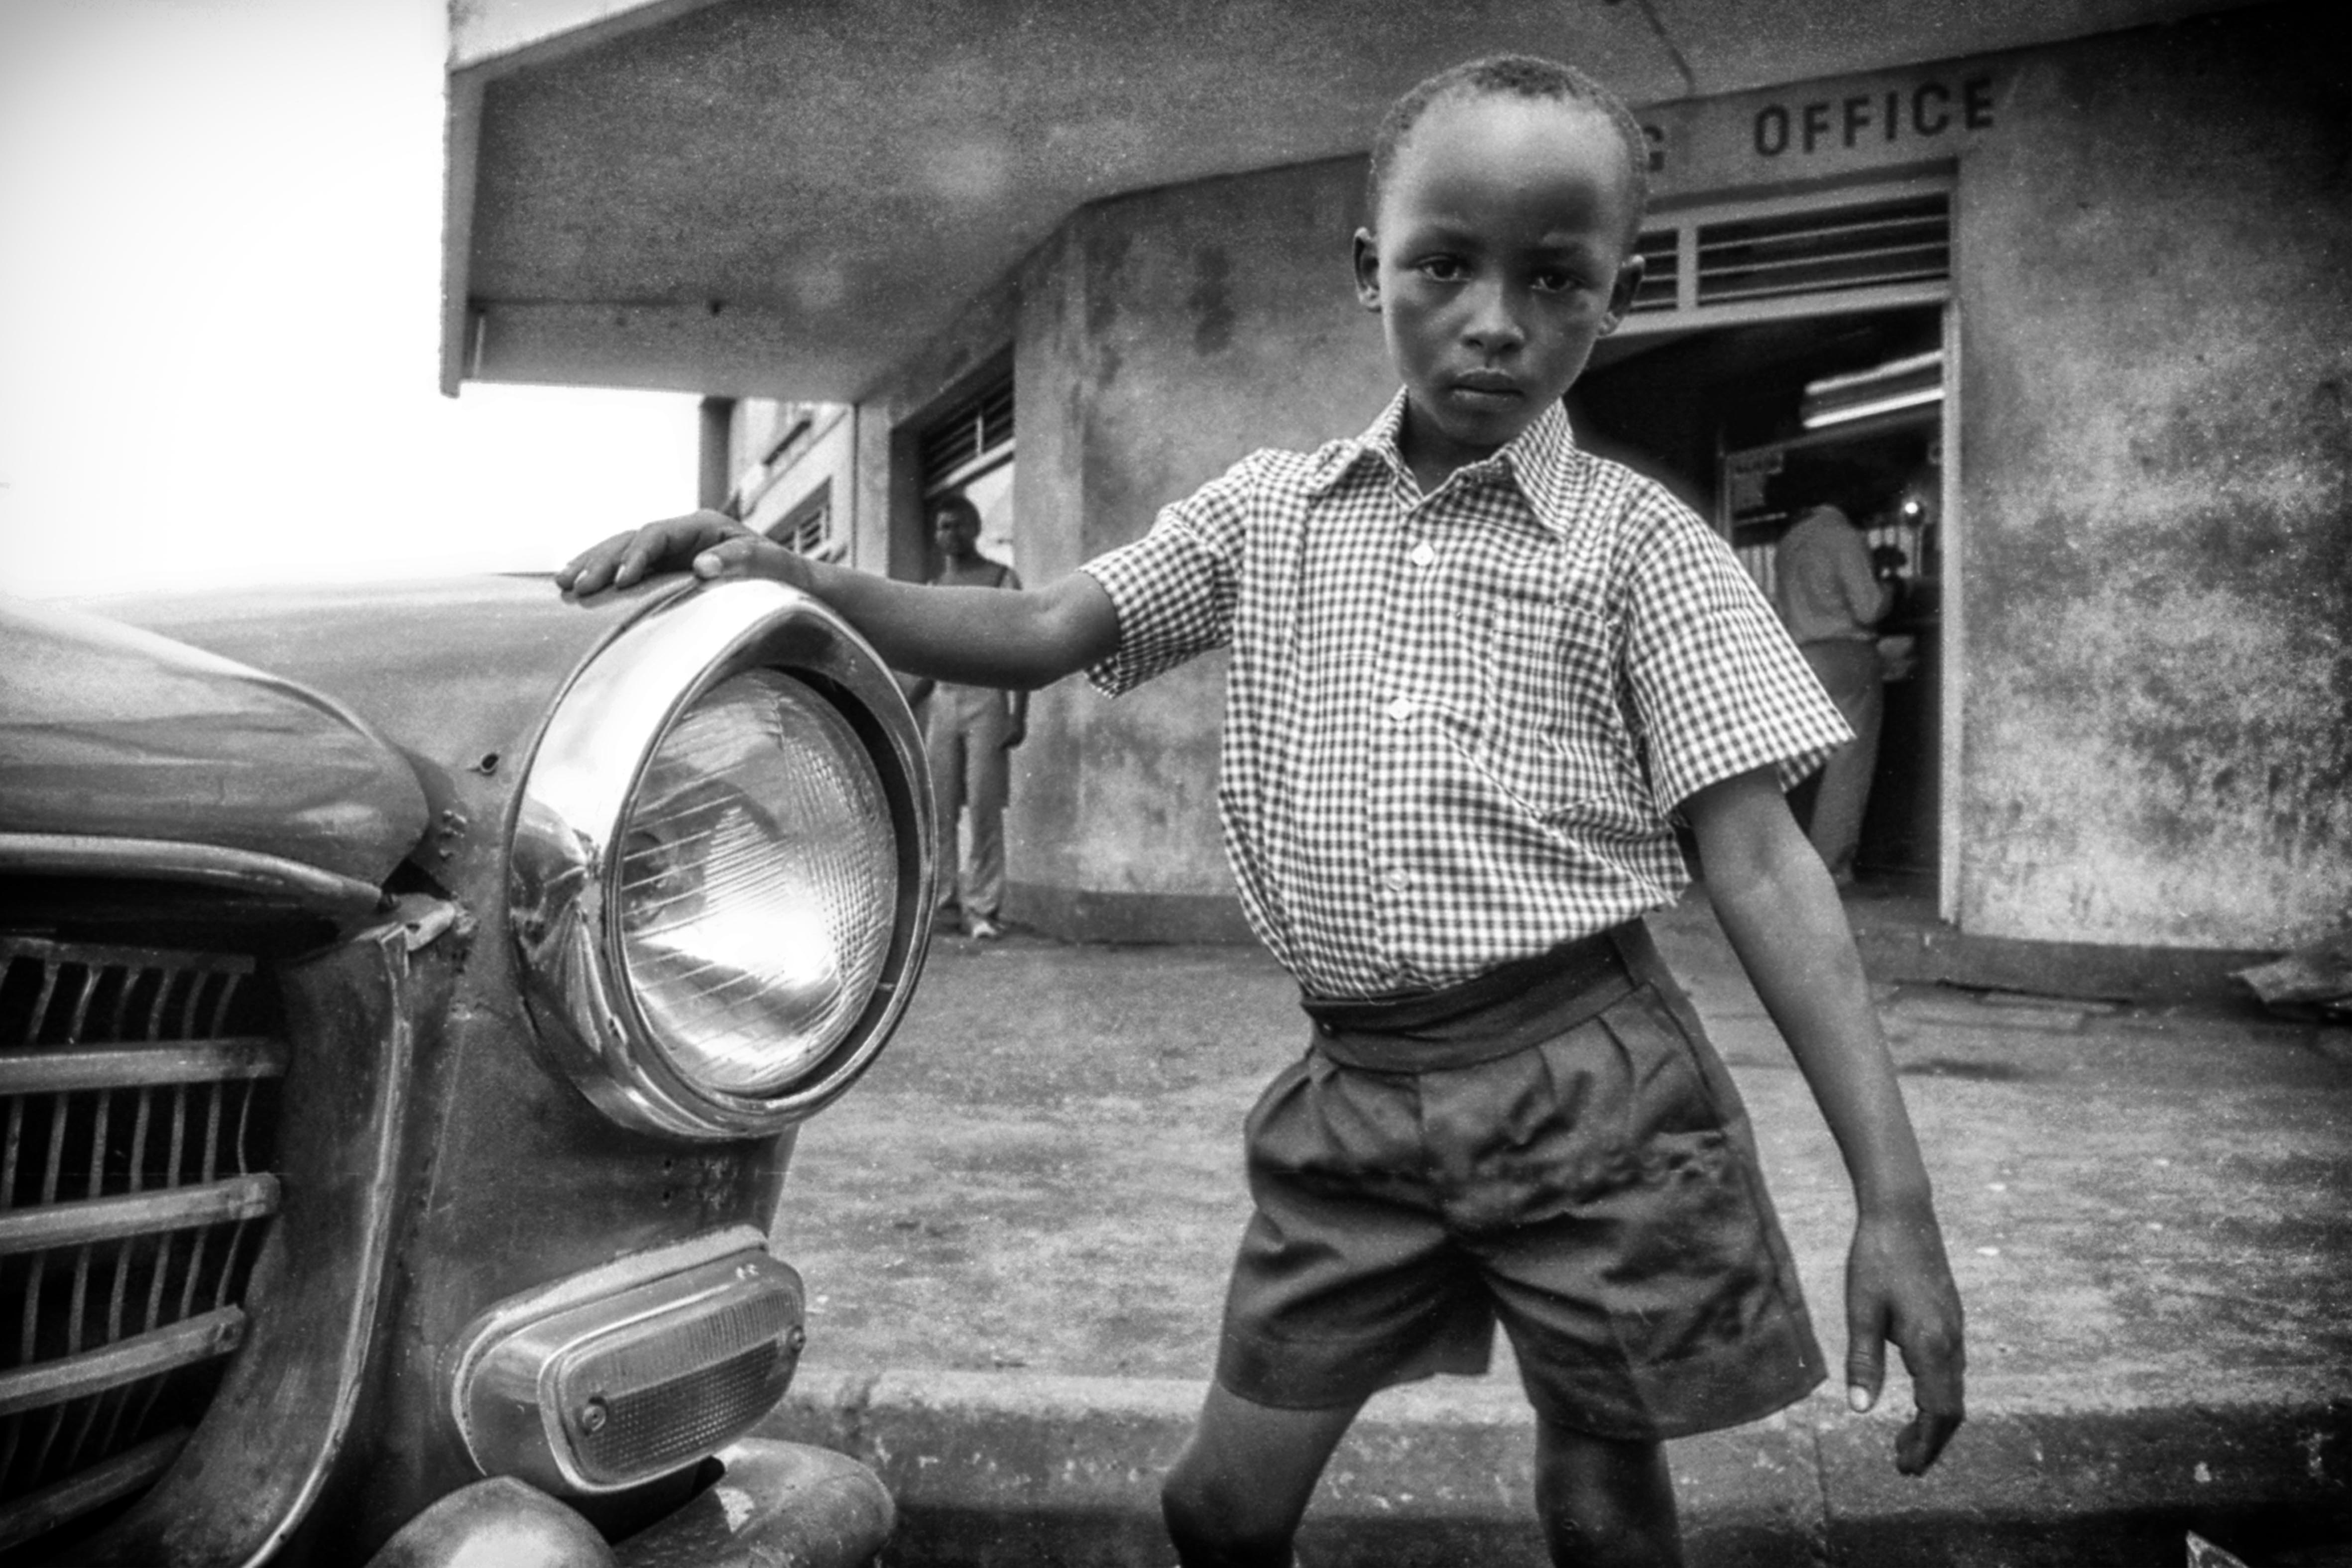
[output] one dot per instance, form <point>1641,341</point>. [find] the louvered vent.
<point>804,535</point>
<point>1752,259</point>
<point>1662,271</point>
<point>1905,239</point>
<point>969,432</point>
<point>807,528</point>
<point>138,1093</point>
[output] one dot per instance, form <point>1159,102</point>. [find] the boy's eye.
<point>1555,280</point>
<point>1444,269</point>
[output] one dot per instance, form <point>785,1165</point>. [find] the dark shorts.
<point>1554,1145</point>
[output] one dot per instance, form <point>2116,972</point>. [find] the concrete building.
<point>2061,294</point>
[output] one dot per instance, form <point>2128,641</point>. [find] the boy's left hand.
<point>1898,1288</point>
<point>1778,906</point>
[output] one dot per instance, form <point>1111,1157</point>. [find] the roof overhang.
<point>738,196</point>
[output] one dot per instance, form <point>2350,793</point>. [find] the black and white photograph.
<point>1241,784</point>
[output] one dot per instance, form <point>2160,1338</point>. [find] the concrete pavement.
<point>1015,1234</point>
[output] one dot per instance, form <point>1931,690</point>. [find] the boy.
<point>1476,675</point>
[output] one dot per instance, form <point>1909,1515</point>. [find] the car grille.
<point>138,1098</point>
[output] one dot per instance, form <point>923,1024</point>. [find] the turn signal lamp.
<point>615,1377</point>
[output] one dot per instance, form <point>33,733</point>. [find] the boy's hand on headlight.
<point>673,544</point>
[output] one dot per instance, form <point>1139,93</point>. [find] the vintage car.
<point>401,1053</point>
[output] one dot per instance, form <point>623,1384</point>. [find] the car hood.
<point>457,671</point>
<point>111,731</point>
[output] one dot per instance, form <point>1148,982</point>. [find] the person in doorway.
<point>968,732</point>
<point>1478,678</point>
<point>1830,597</point>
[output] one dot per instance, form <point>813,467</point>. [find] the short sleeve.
<point>1174,589</point>
<point>1717,687</point>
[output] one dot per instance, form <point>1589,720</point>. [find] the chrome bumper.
<point>778,1503</point>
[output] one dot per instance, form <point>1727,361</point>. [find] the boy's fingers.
<point>1938,1364</point>
<point>592,569</point>
<point>1923,1440</point>
<point>715,560</point>
<point>596,567</point>
<point>1936,1359</point>
<point>672,544</point>
<point>584,567</point>
<point>1865,1358</point>
<point>1899,1287</point>
<point>652,546</point>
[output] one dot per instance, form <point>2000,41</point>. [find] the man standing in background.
<point>966,732</point>
<point>1830,599</point>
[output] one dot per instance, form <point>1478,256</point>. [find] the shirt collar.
<point>1540,460</point>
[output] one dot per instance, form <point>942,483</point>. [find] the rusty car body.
<point>411,993</point>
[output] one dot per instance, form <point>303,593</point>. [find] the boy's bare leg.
<point>1238,1489</point>
<point>1605,1503</point>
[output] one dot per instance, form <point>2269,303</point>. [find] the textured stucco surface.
<point>1163,336</point>
<point>2155,276</point>
<point>788,199</point>
<point>2153,535</point>
<point>2155,282</point>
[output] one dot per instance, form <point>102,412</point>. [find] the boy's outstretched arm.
<point>1777,905</point>
<point>1013,638</point>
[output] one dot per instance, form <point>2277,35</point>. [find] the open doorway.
<point>1752,424</point>
<point>968,450</point>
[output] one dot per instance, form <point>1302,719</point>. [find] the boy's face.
<point>1501,257</point>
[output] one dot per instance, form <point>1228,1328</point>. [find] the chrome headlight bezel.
<point>576,792</point>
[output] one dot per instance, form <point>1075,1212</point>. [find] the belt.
<point>1505,1009</point>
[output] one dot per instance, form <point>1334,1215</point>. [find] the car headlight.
<point>723,864</point>
<point>758,883</point>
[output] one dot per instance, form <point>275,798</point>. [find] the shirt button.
<point>1401,709</point>
<point>1399,879</point>
<point>1424,555</point>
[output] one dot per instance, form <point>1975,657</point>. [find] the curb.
<point>1904,944</point>
<point>992,1469</point>
<point>2144,975</point>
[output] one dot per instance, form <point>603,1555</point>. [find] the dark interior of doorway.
<point>1717,415</point>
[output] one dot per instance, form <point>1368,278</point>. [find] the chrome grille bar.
<point>215,1333</point>
<point>139,1087</point>
<point>132,1470</point>
<point>144,1213</point>
<point>140,1067</point>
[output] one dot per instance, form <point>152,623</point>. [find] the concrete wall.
<point>1162,336</point>
<point>2154,240</point>
<point>2153,541</point>
<point>806,447</point>
<point>1154,339</point>
<point>892,538</point>
<point>2156,286</point>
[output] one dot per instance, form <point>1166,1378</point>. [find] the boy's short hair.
<point>1509,76</point>
<point>962,506</point>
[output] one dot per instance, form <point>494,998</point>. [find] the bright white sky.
<point>220,227</point>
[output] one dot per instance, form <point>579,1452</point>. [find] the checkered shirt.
<point>1458,726</point>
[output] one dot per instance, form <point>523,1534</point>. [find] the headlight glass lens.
<point>758,884</point>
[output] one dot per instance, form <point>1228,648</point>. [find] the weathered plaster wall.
<point>894,534</point>
<point>2156,283</point>
<point>2154,276</point>
<point>1162,337</point>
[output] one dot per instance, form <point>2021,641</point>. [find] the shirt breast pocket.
<point>1548,728</point>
